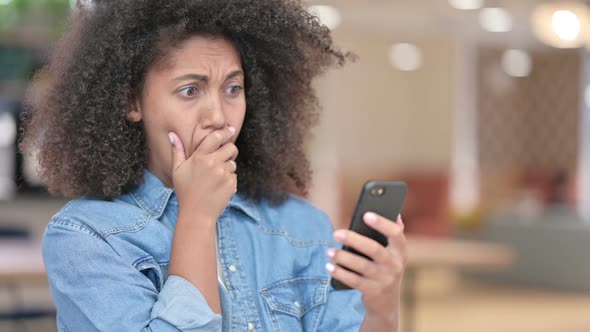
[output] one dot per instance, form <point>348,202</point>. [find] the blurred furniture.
<point>21,263</point>
<point>427,252</point>
<point>552,250</point>
<point>555,186</point>
<point>20,260</point>
<point>426,209</point>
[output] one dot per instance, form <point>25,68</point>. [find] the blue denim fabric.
<point>107,263</point>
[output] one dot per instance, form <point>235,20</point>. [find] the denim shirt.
<point>107,264</point>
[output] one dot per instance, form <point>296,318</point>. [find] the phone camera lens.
<point>377,191</point>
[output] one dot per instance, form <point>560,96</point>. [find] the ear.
<point>134,114</point>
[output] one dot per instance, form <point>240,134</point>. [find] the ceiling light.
<point>328,15</point>
<point>517,63</point>
<point>566,25</point>
<point>495,20</point>
<point>466,4</point>
<point>561,24</point>
<point>405,57</point>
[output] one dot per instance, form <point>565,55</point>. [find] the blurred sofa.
<point>553,251</point>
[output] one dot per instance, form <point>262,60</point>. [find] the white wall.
<point>378,120</point>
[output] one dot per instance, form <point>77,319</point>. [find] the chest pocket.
<point>296,304</point>
<point>152,270</point>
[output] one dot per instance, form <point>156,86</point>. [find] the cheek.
<point>163,116</point>
<point>154,111</point>
<point>158,122</point>
<point>157,126</point>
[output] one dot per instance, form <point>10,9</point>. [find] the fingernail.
<point>399,219</point>
<point>370,218</point>
<point>340,235</point>
<point>231,129</point>
<point>171,138</point>
<point>331,252</point>
<point>330,267</point>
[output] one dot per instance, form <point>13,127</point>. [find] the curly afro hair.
<point>87,146</point>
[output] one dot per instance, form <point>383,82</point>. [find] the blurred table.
<point>426,252</point>
<point>21,263</point>
<point>21,260</point>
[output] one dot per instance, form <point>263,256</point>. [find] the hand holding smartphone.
<point>383,198</point>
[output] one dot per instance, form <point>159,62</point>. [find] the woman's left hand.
<point>380,279</point>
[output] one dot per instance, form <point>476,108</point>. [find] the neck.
<point>158,172</point>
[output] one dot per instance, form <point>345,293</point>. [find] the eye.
<point>233,90</point>
<point>188,92</point>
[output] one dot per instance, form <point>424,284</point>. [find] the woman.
<point>169,227</point>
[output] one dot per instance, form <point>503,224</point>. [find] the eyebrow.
<point>198,77</point>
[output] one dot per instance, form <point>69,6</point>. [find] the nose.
<point>214,117</point>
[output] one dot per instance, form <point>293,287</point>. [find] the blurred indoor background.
<point>481,106</point>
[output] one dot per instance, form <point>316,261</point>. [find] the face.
<point>199,90</point>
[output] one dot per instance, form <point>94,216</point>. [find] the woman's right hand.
<point>206,180</point>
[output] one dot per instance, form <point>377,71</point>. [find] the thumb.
<point>178,156</point>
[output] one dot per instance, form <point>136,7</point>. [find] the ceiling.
<point>409,18</point>
<point>427,17</point>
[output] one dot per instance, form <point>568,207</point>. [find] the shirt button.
<point>232,268</point>
<point>250,326</point>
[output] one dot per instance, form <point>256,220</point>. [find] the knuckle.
<point>367,266</point>
<point>218,136</point>
<point>375,249</point>
<point>398,269</point>
<point>219,171</point>
<point>355,281</point>
<point>209,162</point>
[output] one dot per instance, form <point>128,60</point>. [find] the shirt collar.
<point>245,205</point>
<point>153,196</point>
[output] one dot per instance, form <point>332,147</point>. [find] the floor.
<point>446,300</point>
<point>449,302</point>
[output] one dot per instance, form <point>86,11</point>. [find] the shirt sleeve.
<point>95,289</point>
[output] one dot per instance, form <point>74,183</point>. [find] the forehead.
<point>202,53</point>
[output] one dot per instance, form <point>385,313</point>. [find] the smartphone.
<point>383,198</point>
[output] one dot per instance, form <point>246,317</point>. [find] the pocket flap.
<point>296,296</point>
